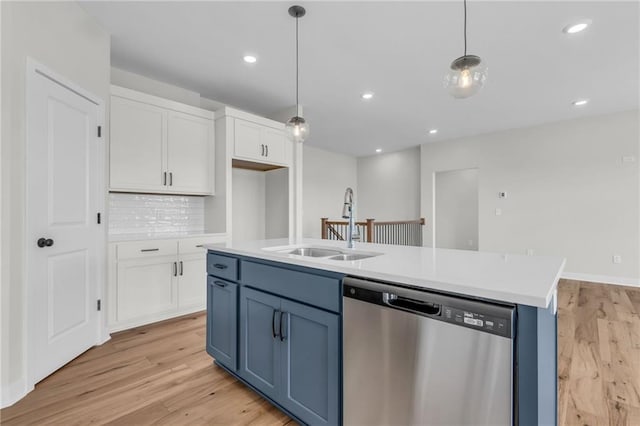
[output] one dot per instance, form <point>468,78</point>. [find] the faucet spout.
<point>348,213</point>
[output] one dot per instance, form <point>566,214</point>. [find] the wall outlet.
<point>529,252</point>
<point>502,194</point>
<point>498,212</point>
<point>617,259</point>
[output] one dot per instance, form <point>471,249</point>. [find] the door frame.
<point>35,69</point>
<point>434,177</point>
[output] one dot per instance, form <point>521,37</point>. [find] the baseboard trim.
<point>603,279</point>
<point>13,393</point>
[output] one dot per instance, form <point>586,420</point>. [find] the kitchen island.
<point>275,316</point>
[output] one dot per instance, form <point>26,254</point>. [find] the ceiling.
<point>398,50</point>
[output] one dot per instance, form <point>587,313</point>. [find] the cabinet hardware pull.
<point>220,266</point>
<point>175,269</point>
<point>220,284</point>
<point>146,250</point>
<point>164,182</point>
<point>262,146</point>
<point>266,149</point>
<point>282,336</point>
<point>199,245</point>
<point>273,323</point>
<point>181,268</point>
<point>170,178</point>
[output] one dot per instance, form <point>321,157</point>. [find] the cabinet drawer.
<point>142,249</point>
<point>194,245</point>
<point>222,266</point>
<point>313,289</point>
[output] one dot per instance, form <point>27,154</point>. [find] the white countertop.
<point>526,280</point>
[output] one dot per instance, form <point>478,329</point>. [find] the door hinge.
<point>99,304</point>
<point>99,131</point>
<point>99,218</point>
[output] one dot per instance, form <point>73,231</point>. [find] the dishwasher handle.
<point>410,305</point>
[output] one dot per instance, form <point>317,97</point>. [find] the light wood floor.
<point>161,374</point>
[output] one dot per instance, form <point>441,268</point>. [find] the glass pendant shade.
<point>466,77</point>
<point>297,129</point>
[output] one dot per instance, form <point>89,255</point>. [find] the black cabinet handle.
<point>175,269</point>
<point>266,149</point>
<point>273,323</point>
<point>282,336</point>
<point>181,268</point>
<point>164,181</point>
<point>170,178</point>
<point>146,250</point>
<point>44,242</point>
<point>220,284</point>
<point>199,245</point>
<point>220,266</point>
<point>262,145</point>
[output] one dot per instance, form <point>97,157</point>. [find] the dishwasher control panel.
<point>492,324</point>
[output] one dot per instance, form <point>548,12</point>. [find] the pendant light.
<point>297,127</point>
<point>468,73</point>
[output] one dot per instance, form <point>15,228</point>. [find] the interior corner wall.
<point>64,38</point>
<point>572,189</point>
<point>325,176</point>
<point>389,186</point>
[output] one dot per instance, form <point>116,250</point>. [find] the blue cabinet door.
<point>310,359</point>
<point>222,321</point>
<point>259,341</point>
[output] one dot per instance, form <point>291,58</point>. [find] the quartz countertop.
<point>511,278</point>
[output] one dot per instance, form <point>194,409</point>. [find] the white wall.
<point>61,36</point>
<point>326,175</point>
<point>569,193</point>
<point>389,186</point>
<point>148,85</point>
<point>277,203</point>
<point>456,209</point>
<point>248,189</point>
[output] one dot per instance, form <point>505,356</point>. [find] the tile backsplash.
<point>153,214</point>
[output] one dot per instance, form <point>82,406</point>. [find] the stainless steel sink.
<point>353,256</point>
<point>315,252</point>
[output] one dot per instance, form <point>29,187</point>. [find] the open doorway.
<point>456,209</point>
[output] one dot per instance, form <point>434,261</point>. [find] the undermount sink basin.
<point>352,256</point>
<point>314,252</point>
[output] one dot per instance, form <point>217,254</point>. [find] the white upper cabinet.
<point>160,146</point>
<point>259,143</point>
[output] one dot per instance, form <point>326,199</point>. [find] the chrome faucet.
<point>348,213</point>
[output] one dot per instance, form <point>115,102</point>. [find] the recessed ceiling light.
<point>250,59</point>
<point>580,102</point>
<point>433,131</point>
<point>379,150</point>
<point>367,95</point>
<point>577,26</point>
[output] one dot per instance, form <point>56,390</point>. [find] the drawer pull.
<point>147,250</point>
<point>220,284</point>
<point>199,245</point>
<point>220,266</point>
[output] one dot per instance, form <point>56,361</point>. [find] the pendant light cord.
<point>298,71</point>
<point>465,28</point>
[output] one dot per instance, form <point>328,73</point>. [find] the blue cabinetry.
<point>278,329</point>
<point>222,320</point>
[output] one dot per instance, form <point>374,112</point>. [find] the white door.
<point>190,160</point>
<point>62,230</point>
<point>136,146</point>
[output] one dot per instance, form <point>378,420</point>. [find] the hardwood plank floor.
<point>160,374</point>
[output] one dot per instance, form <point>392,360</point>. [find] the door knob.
<point>45,242</point>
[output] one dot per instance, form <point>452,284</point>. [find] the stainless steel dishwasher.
<point>413,357</point>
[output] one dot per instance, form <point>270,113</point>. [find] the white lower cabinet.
<point>154,280</point>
